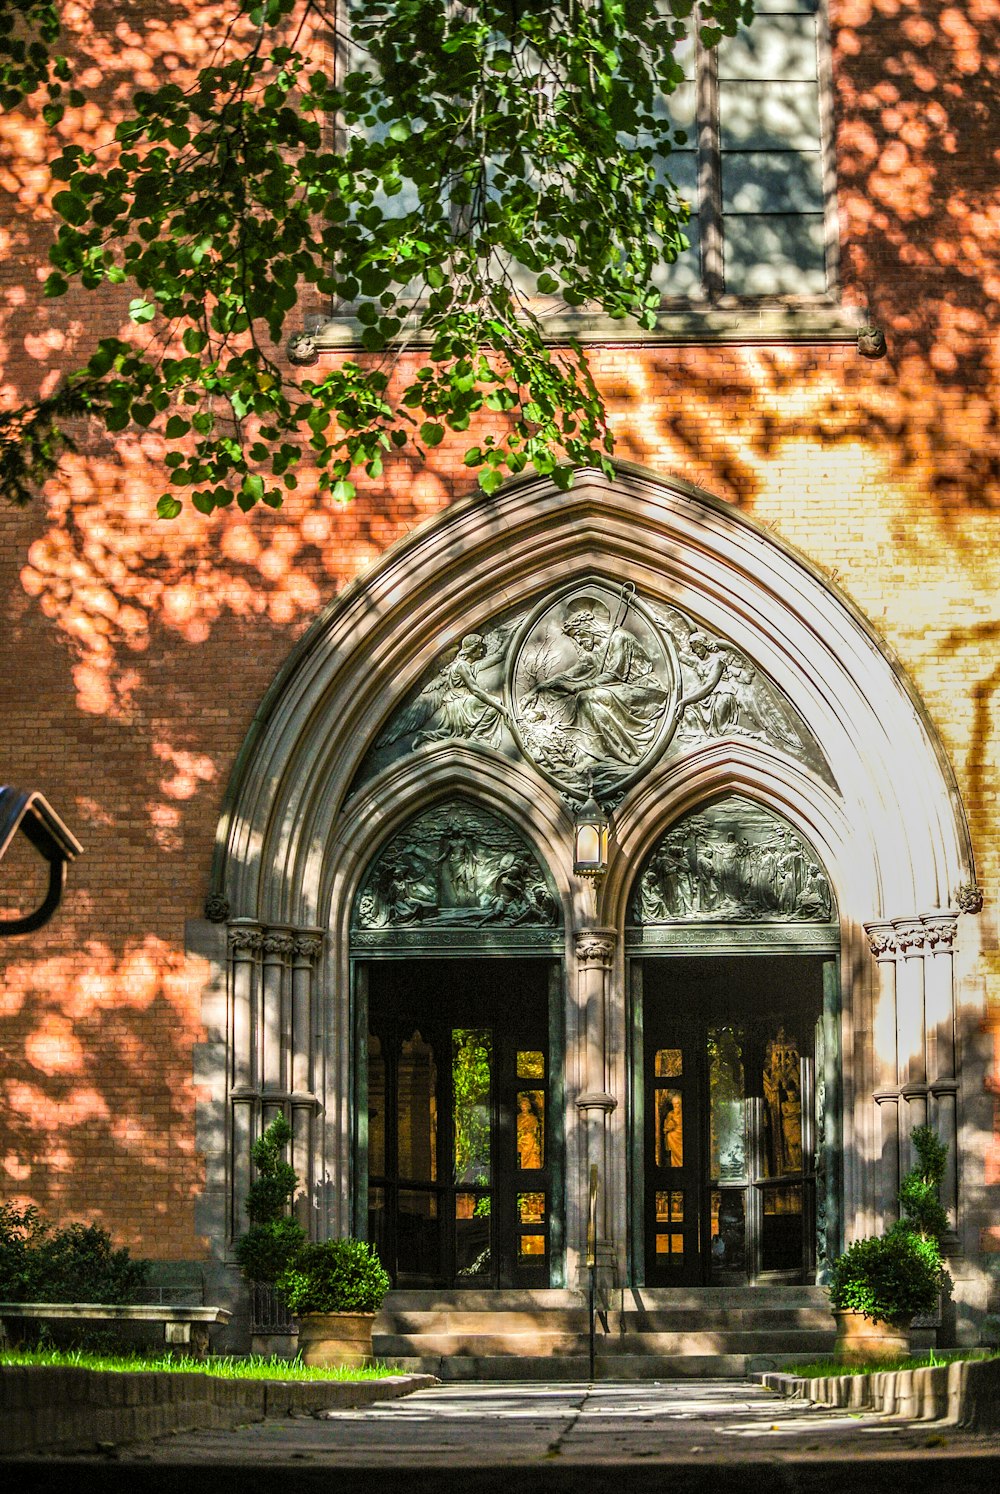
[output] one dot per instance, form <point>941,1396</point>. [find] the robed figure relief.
<point>593,689</point>
<point>455,864</point>
<point>590,686</point>
<point>733,861</point>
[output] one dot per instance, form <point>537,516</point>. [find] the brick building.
<point>329,764</point>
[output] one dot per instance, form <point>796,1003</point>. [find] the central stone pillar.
<point>595,953</point>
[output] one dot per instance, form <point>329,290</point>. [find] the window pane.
<point>472,1234</point>
<point>531,1246</point>
<point>762,116</point>
<point>797,7</point>
<point>417,1111</point>
<point>531,1208</point>
<point>669,1128</point>
<point>782,1108</point>
<point>531,1064</point>
<point>376,1108</point>
<point>418,1233</point>
<point>782,182</point>
<point>781,1233</point>
<point>775,47</point>
<point>668,1063</point>
<point>727,1093</point>
<point>670,1207</point>
<point>472,1064</point>
<point>775,255</point>
<point>530,1129</point>
<point>728,1230</point>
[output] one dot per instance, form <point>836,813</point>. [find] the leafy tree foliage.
<point>467,167</point>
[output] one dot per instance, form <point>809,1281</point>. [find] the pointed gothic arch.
<point>303,810</point>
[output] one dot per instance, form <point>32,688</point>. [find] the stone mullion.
<point>595,950</point>
<point>305,1105</point>
<point>942,1058</point>
<point>278,945</point>
<point>245,941</point>
<point>911,1030</point>
<point>881,937</point>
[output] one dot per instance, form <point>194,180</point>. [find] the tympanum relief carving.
<point>456,865</point>
<point>592,686</point>
<point>732,861</point>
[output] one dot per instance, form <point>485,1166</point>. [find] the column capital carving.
<point>244,936</point>
<point>596,947</point>
<point>308,947</point>
<point>278,942</point>
<point>881,939</point>
<point>911,937</point>
<point>941,930</point>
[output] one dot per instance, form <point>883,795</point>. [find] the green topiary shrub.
<point>335,1276</point>
<point>273,1238</point>
<point>919,1192</point>
<point>266,1249</point>
<point>890,1278</point>
<point>78,1263</point>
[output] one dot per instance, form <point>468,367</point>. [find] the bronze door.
<point>729,1122</point>
<point>460,1134</point>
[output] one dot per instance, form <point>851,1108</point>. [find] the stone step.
<point>537,1344</point>
<point>576,1320</point>
<point>575,1368</point>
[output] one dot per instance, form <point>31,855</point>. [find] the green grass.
<point>252,1367</point>
<point>821,1367</point>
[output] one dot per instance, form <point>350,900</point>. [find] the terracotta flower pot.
<point>331,1338</point>
<point>859,1339</point>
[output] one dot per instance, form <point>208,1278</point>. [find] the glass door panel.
<point>672,1222</point>
<point>472,1123</point>
<point>729,1125</point>
<point>459,1135</point>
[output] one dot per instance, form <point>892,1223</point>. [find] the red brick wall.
<point>135,652</point>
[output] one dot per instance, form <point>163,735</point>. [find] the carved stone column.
<point>305,1105</point>
<point>911,1029</point>
<point>919,949</point>
<point>942,1072</point>
<point>245,939</point>
<point>881,937</point>
<point>278,946</point>
<point>595,952</point>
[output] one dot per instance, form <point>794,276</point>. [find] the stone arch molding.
<point>302,821</point>
<point>890,821</point>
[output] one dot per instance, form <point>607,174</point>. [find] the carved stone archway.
<point>312,795</point>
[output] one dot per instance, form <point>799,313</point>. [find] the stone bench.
<point>186,1327</point>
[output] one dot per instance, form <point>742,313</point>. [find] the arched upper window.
<point>755,163</point>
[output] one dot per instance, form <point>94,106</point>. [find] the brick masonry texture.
<point>135,653</point>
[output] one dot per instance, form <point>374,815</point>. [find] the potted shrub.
<point>879,1285</point>
<point>335,1288</point>
<point>272,1241</point>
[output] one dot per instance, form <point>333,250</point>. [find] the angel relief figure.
<point>456,702</point>
<point>729,697</point>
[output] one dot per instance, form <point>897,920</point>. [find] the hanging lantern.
<point>591,849</point>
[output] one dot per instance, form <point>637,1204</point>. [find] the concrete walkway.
<point>677,1436</point>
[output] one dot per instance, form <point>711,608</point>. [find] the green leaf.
<point>431,433</point>
<point>141,310</point>
<point>167,507</point>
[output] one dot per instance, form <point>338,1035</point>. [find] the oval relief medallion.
<point>592,689</point>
